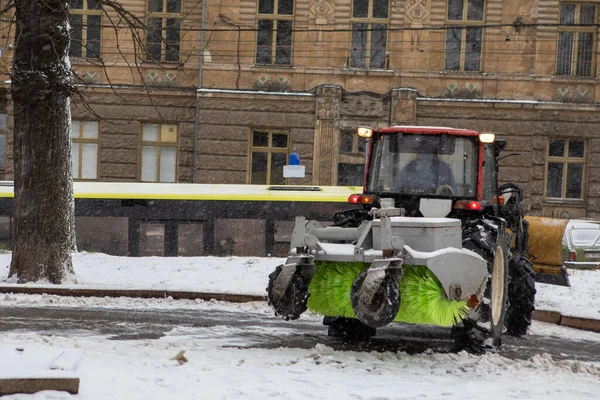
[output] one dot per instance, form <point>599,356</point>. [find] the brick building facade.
<point>278,75</point>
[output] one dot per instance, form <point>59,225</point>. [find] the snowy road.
<point>240,351</point>
<point>254,326</point>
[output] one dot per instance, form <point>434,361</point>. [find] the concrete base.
<point>34,385</point>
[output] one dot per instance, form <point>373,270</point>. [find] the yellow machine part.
<point>545,247</point>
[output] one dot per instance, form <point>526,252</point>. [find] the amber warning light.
<point>361,199</point>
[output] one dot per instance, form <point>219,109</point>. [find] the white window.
<point>576,39</point>
<point>159,153</point>
<point>84,149</point>
<point>163,35</point>
<point>464,35</point>
<point>565,169</point>
<point>369,34</point>
<point>274,32</point>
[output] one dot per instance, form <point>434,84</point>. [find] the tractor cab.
<point>410,163</point>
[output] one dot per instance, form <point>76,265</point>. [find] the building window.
<point>159,153</point>
<point>268,154</point>
<point>351,143</point>
<point>566,169</point>
<point>464,35</point>
<point>274,32</point>
<point>351,174</point>
<point>576,43</point>
<point>3,136</point>
<point>84,150</point>
<point>163,30</point>
<point>351,160</point>
<point>369,33</point>
<point>85,20</point>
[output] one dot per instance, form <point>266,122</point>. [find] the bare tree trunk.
<point>41,85</point>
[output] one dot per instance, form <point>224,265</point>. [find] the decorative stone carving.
<point>321,11</point>
<point>363,105</point>
<point>328,102</point>
<point>404,106</point>
<point>397,5</point>
<point>462,91</point>
<point>161,78</point>
<point>403,111</point>
<point>417,10</point>
<point>574,94</point>
<point>271,83</point>
<point>89,77</point>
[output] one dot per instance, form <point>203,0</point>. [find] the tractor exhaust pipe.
<point>374,295</point>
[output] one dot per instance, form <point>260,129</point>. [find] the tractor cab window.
<point>433,165</point>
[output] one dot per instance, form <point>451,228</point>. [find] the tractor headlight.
<point>487,137</point>
<point>365,132</point>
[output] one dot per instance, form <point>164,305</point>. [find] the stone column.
<point>328,113</point>
<point>403,110</point>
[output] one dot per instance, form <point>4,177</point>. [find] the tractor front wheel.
<point>487,238</point>
<point>287,295</point>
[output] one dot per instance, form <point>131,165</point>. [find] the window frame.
<point>164,16</point>
<point>369,21</point>
<point>576,30</point>
<point>275,17</point>
<point>464,24</point>
<point>81,141</point>
<point>85,12</point>
<point>356,155</point>
<point>565,160</point>
<point>268,150</point>
<point>159,144</point>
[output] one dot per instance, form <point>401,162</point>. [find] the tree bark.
<point>42,83</point>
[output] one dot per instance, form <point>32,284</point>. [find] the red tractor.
<point>433,240</point>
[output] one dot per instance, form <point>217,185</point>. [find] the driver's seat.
<point>426,175</point>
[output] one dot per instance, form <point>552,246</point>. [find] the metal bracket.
<point>391,265</point>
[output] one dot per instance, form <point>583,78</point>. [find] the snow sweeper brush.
<point>423,300</point>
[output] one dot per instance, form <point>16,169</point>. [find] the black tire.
<point>484,325</point>
<point>384,304</point>
<point>521,296</point>
<point>294,301</point>
<point>349,329</point>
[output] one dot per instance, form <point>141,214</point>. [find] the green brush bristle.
<point>422,298</point>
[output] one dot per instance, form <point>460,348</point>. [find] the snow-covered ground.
<point>248,275</point>
<point>144,369</point>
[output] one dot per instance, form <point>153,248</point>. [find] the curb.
<point>142,293</point>
<point>553,317</point>
<point>34,385</point>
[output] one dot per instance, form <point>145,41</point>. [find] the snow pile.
<point>146,370</point>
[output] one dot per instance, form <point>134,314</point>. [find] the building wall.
<point>317,98</point>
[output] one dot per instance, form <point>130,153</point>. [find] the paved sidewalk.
<point>554,317</point>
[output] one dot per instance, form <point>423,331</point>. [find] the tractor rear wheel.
<point>521,296</point>
<point>483,326</point>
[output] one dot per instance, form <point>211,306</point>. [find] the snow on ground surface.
<point>248,275</point>
<point>145,370</point>
<point>217,369</point>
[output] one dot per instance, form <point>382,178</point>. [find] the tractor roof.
<point>428,130</point>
